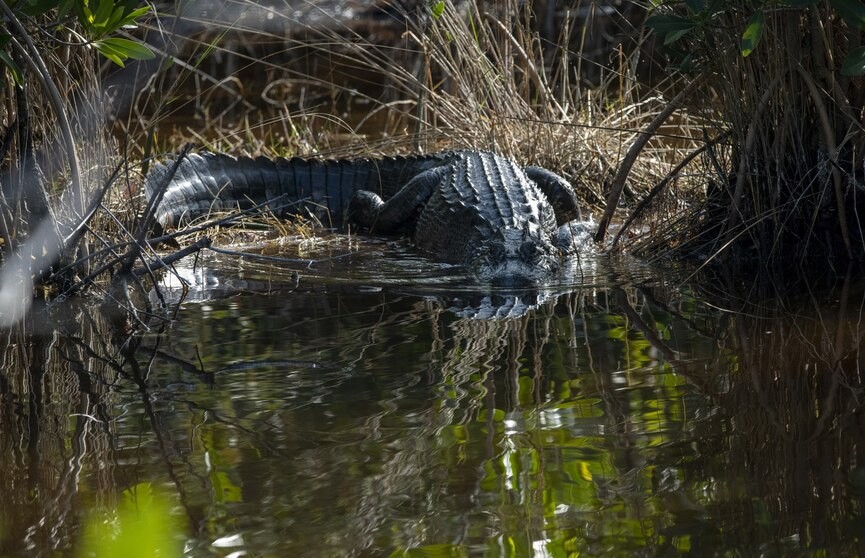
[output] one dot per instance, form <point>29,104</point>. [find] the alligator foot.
<point>574,237</point>
<point>368,211</point>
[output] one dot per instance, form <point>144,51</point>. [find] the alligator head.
<point>513,257</point>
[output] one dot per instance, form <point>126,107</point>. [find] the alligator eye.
<point>529,250</point>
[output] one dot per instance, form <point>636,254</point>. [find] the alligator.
<point>504,223</point>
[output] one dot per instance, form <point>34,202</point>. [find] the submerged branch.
<point>166,261</point>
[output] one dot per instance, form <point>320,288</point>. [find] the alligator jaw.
<point>514,272</point>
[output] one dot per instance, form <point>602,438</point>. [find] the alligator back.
<point>210,182</point>
<point>482,195</point>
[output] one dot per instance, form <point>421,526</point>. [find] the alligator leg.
<point>367,210</point>
<point>573,237</point>
<point>558,191</point>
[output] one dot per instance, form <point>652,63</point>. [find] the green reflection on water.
<point>430,435</point>
<point>338,422</point>
<point>143,525</point>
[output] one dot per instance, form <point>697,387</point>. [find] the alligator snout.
<point>515,259</point>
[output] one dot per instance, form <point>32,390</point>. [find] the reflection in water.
<point>298,417</point>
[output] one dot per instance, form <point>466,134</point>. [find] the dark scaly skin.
<point>505,224</point>
<point>213,182</point>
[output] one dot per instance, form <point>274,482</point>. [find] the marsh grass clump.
<point>785,82</point>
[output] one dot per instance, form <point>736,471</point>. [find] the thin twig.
<point>631,157</point>
<point>742,172</point>
<point>165,261</point>
<point>660,186</point>
<point>829,138</point>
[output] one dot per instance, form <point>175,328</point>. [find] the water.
<point>359,406</point>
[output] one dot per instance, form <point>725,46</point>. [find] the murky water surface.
<point>371,404</point>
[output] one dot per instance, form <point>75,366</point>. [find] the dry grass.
<point>479,75</point>
<point>59,161</point>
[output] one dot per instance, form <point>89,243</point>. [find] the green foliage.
<point>753,33</point>
<point>142,526</point>
<point>119,50</point>
<point>437,8</point>
<point>101,18</point>
<point>703,16</point>
<point>108,17</point>
<point>97,20</point>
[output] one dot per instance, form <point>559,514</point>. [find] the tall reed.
<point>787,187</point>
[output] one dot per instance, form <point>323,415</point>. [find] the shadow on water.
<point>312,415</point>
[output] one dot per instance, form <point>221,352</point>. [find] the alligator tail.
<point>209,182</point>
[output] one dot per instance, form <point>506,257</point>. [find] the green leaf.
<point>102,13</point>
<point>674,36</point>
<point>753,33</point>
<point>17,75</point>
<point>853,11</point>
<point>128,48</point>
<point>854,64</point>
<point>132,17</point>
<point>669,23</point>
<point>111,56</point>
<point>85,16</point>
<point>799,3</point>
<point>106,48</point>
<point>114,20</point>
<point>110,52</point>
<point>438,8</point>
